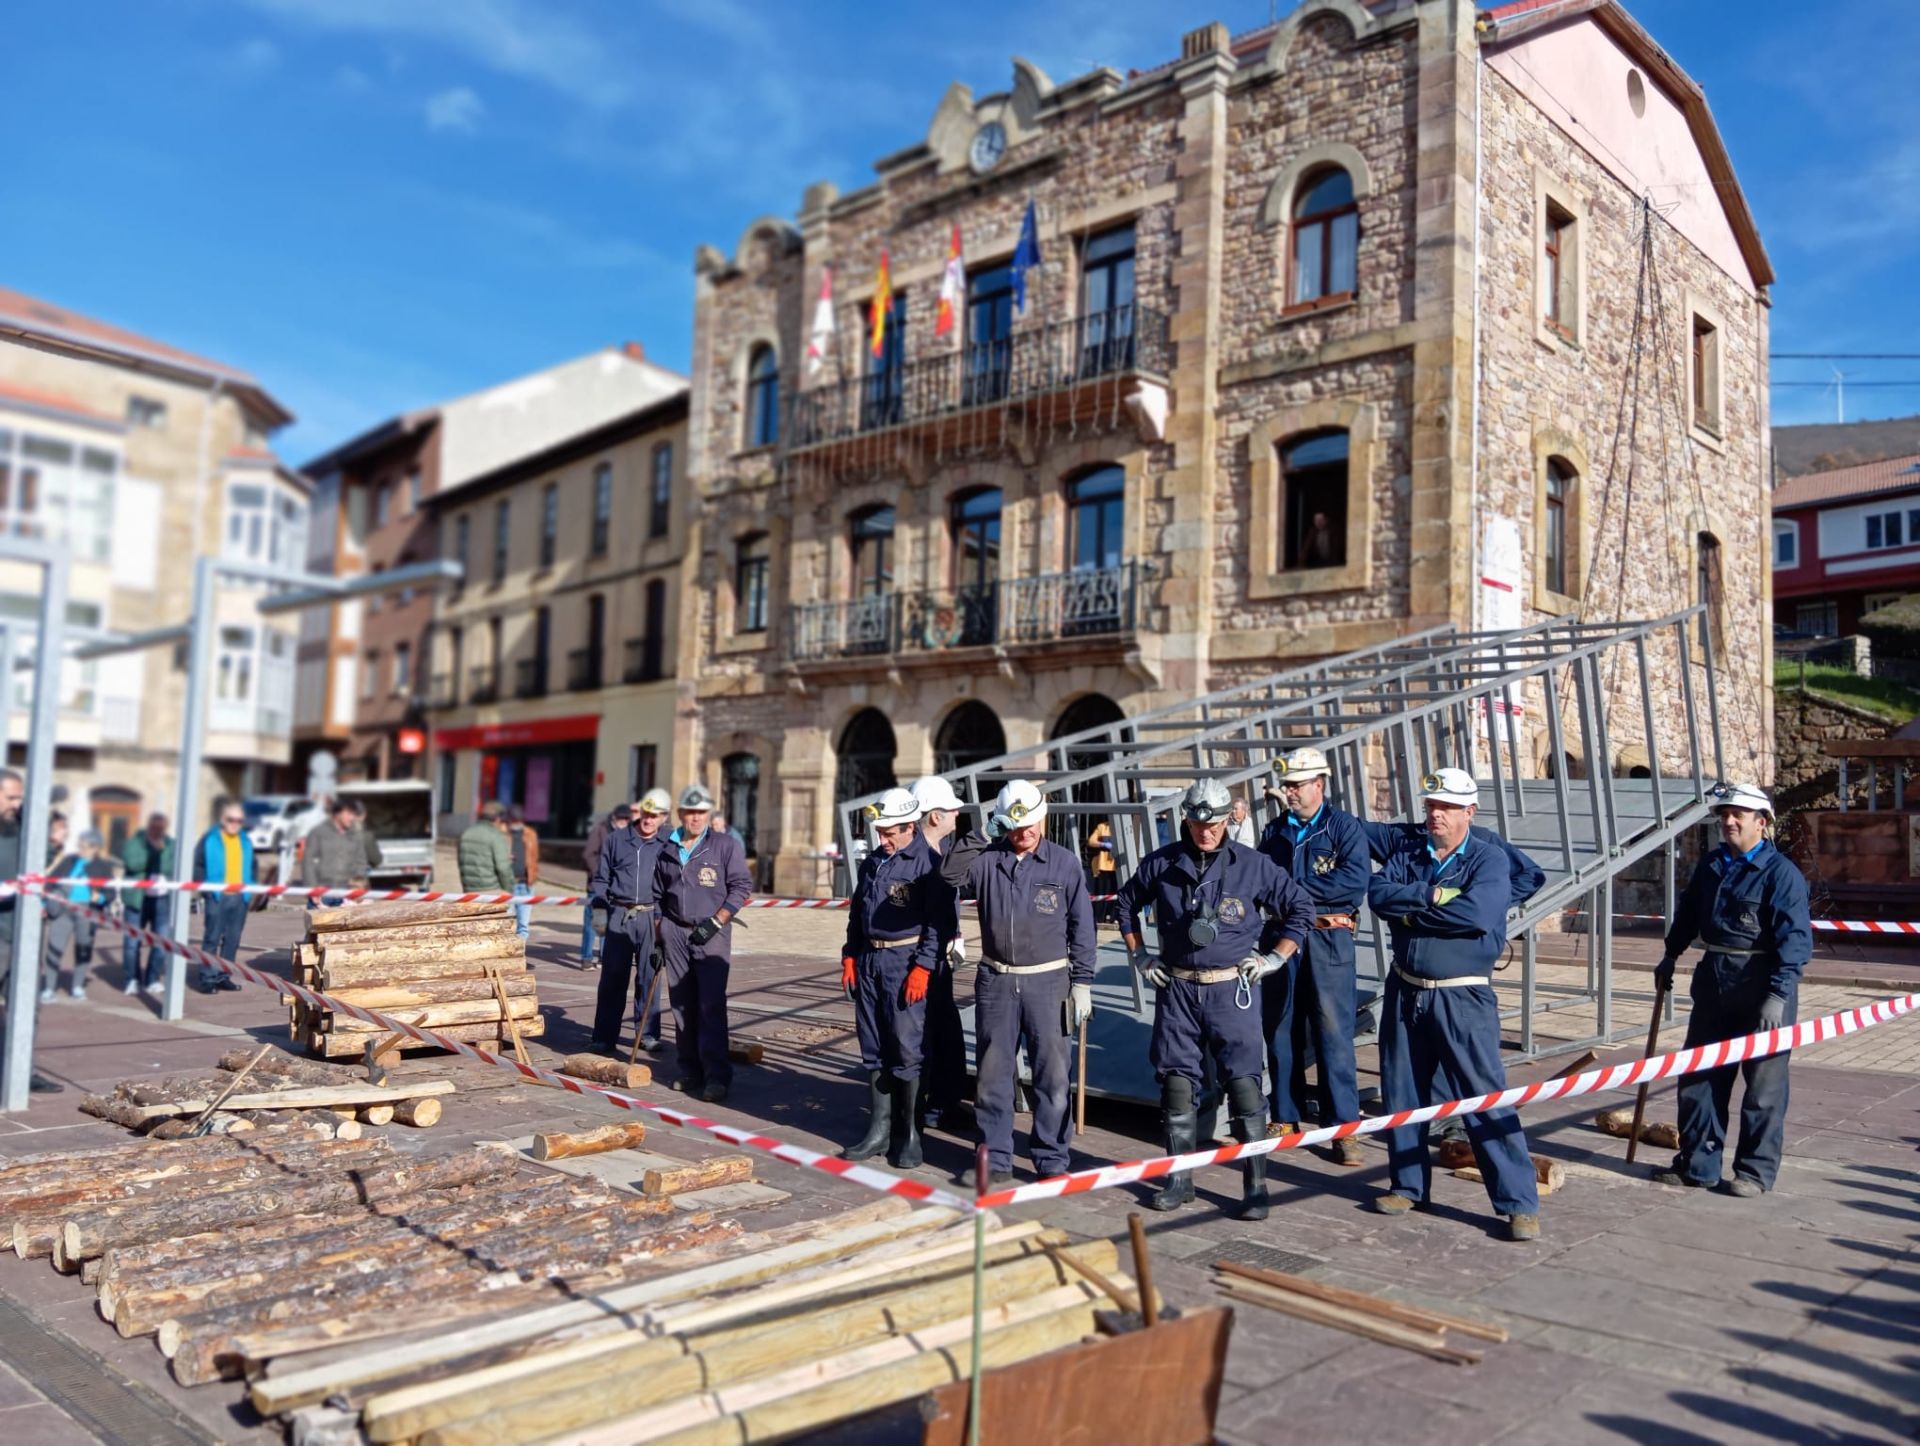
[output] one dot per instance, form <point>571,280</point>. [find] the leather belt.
<point>893,943</point>
<point>1730,953</point>
<point>1334,921</point>
<point>1205,976</point>
<point>629,904</point>
<point>1047,968</point>
<point>1419,983</point>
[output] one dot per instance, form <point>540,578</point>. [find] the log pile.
<point>458,969</point>
<point>262,1088</point>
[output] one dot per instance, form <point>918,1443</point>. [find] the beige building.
<point>551,674</point>
<point>1340,329</point>
<point>141,457</point>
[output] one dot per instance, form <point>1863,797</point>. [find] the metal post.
<point>1557,754</point>
<point>1646,719</point>
<point>187,804</point>
<point>1603,958</point>
<point>23,989</point>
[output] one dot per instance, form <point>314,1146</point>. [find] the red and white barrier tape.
<point>1616,1077</point>
<point>877,1180</point>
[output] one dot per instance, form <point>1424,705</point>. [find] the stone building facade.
<point>1336,332</point>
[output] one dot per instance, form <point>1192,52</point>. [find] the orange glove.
<point>846,974</point>
<point>917,984</point>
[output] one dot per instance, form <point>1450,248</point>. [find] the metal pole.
<point>187,805</point>
<point>23,989</point>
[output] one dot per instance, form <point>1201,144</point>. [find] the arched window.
<point>763,397</point>
<point>752,563</point>
<point>871,536</point>
<point>1096,512</point>
<point>970,734</point>
<point>740,795</point>
<point>1556,547</point>
<point>1085,831</point>
<point>1314,472</point>
<point>976,563</point>
<point>1326,238</point>
<point>866,755</point>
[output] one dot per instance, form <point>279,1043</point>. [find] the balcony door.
<point>1106,303</point>
<point>883,386</point>
<point>976,565</point>
<point>1094,590</point>
<point>987,357</point>
<point>870,613</point>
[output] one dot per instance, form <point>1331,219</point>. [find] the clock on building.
<point>989,145</point>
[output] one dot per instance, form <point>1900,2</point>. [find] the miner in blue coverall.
<point>892,949</point>
<point>700,882</point>
<point>1445,900</point>
<point>1036,973</point>
<point>943,1069</point>
<point>623,883</point>
<point>1324,849</point>
<point>1229,918</point>
<point>1747,905</point>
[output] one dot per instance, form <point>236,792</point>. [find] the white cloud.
<point>254,58</point>
<point>458,109</point>
<point>351,77</point>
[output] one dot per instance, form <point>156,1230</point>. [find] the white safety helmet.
<point>1450,785</point>
<point>933,792</point>
<point>896,805</point>
<point>695,796</point>
<point>1740,795</point>
<point>1019,805</point>
<point>656,800</point>
<point>1302,763</point>
<point>1206,801</point>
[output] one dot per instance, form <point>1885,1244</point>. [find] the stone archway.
<point>866,756</point>
<point>970,734</point>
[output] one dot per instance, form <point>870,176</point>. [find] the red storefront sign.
<point>579,728</point>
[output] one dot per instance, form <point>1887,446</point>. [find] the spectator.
<point>1240,825</point>
<point>523,849</point>
<point>224,855</point>
<point>339,854</point>
<point>147,855</point>
<point>88,868</point>
<point>12,791</point>
<point>597,837</point>
<point>720,825</point>
<point>486,860</point>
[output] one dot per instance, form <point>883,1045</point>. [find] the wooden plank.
<point>559,1146</point>
<point>721,1170</point>
<point>410,994</point>
<point>451,961</point>
<point>383,916</point>
<point>470,1011</point>
<point>1401,1312</point>
<point>491,927</point>
<point>306,1097</point>
<point>1426,1343</point>
<point>348,1045</point>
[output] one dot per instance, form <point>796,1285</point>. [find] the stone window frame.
<point>1548,443</point>
<point>1711,432</point>
<point>1277,215</point>
<point>1703,522</point>
<point>743,379</point>
<point>1267,578</point>
<point>1065,465</point>
<point>727,639</point>
<point>1549,189</point>
<point>1786,529</point>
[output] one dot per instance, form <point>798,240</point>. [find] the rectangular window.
<point>1561,280</point>
<point>602,510</point>
<point>1820,620</point>
<point>380,505</point>
<point>370,677</point>
<point>1706,375</point>
<point>502,531</point>
<point>146,412</point>
<point>883,387</point>
<point>750,585</point>
<point>549,523</point>
<point>660,508</point>
<point>446,765</point>
<point>51,489</point>
<point>643,768</point>
<point>413,491</point>
<point>402,667</point>
<point>461,529</point>
<point>1884,529</point>
<point>987,353</point>
<point>1106,302</point>
<point>1786,544</point>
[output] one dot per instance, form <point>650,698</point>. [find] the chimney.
<point>1205,41</point>
<point>634,351</point>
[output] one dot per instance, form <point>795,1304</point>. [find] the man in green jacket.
<point>486,858</point>
<point>147,855</point>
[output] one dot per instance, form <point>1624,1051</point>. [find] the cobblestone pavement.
<point>1644,1314</point>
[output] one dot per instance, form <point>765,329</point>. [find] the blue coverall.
<point>893,927</point>
<point>693,880</point>
<point>1750,912</point>
<point>943,1072</point>
<point>623,881</point>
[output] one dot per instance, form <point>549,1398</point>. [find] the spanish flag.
<point>882,306</point>
<point>953,286</point>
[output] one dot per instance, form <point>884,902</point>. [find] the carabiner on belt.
<point>1243,993</point>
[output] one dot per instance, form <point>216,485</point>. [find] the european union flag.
<point>1025,255</point>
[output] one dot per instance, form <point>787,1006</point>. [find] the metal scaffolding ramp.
<point>1539,715</point>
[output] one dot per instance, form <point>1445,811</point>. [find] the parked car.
<point>401,819</point>
<point>277,819</point>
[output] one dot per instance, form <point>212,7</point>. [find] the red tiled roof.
<point>34,314</point>
<point>1891,474</point>
<point>58,401</point>
<point>251,454</point>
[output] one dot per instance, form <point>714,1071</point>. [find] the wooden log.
<point>1454,1154</point>
<point>375,1114</point>
<point>583,1382</point>
<point>721,1170</point>
<point>385,916</point>
<point>1618,1121</point>
<point>130,1179</point>
<point>419,993</point>
<point>302,1071</point>
<point>591,1142</point>
<point>89,1233</point>
<point>116,1158</point>
<point>745,1051</point>
<point>492,927</point>
<point>602,1070</point>
<point>209,1122</point>
<point>1549,1175</point>
<point>434,1016</point>
<point>418,1113</point>
<point>423,961</point>
<point>306,1097</point>
<point>349,1045</point>
<point>1426,1343</point>
<point>1401,1312</point>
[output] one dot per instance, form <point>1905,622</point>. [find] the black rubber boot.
<point>1182,1128</point>
<point>1249,1123</point>
<point>905,1153</point>
<point>879,1120</point>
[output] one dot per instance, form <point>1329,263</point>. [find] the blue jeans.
<point>522,913</point>
<point>220,935</point>
<point>589,936</point>
<point>141,963</point>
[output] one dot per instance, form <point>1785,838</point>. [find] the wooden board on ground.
<point>303,1097</point>
<point>627,1169</point>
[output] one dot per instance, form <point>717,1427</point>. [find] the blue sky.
<point>374,204</point>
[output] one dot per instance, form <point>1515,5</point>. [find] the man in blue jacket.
<point>622,883</point>
<point>1036,973</point>
<point>1445,901</point>
<point>892,949</point>
<point>224,855</point>
<point>700,883</point>
<point>1325,851</point>
<point>1747,905</point>
<point>1228,918</point>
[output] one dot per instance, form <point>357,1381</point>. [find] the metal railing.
<point>1086,603</point>
<point>483,684</point>
<point>583,670</point>
<point>1050,357</point>
<point>530,677</point>
<point>441,692</point>
<point>645,659</point>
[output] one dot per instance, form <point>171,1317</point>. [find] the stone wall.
<point>1804,725</point>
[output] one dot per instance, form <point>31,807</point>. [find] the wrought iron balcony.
<point>646,659</point>
<point>583,670</point>
<point>483,684</point>
<point>1086,603</point>
<point>441,692</point>
<point>1056,357</point>
<point>530,678</point>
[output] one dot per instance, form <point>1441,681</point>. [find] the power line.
<point>1846,356</point>
<point>1915,382</point>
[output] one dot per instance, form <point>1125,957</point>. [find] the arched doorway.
<point>866,755</point>
<point>969,734</point>
<point>1089,834</point>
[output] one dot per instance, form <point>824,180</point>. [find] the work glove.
<point>917,978</point>
<point>1150,968</point>
<point>704,930</point>
<point>1663,973</point>
<point>1773,1013</point>
<point>995,826</point>
<point>1079,1005</point>
<point>1444,896</point>
<point>848,976</point>
<point>957,952</point>
<point>1256,967</point>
